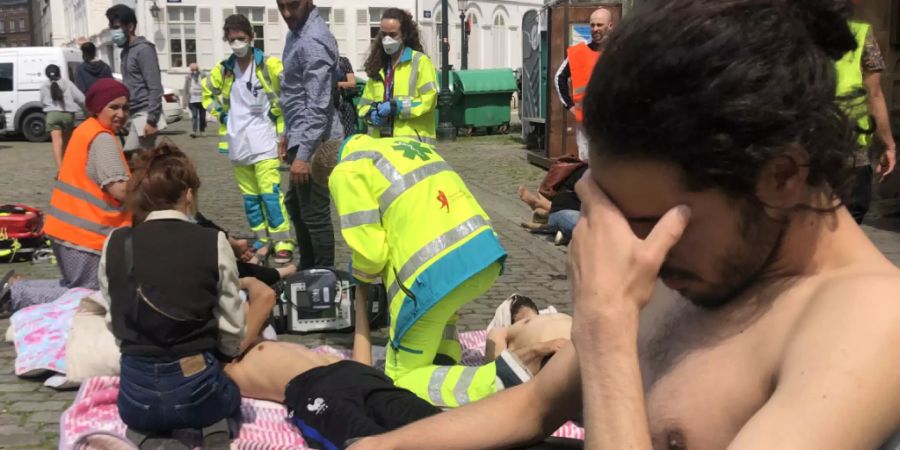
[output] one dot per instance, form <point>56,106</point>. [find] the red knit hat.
<point>102,92</point>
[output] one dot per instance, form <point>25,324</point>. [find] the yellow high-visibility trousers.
<point>412,365</point>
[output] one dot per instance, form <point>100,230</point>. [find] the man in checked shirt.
<point>310,67</point>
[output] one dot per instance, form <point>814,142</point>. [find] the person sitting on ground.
<point>533,337</point>
<point>174,309</point>
<point>87,200</point>
<point>330,400</point>
<point>724,181</point>
<point>561,212</point>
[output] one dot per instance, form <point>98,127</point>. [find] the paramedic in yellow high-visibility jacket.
<point>401,93</point>
<point>411,221</point>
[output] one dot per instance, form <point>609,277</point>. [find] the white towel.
<point>503,318</point>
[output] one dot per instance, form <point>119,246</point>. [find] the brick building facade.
<point>15,23</point>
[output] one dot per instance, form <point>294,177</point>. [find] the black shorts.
<point>345,400</point>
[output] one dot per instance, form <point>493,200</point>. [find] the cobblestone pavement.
<point>492,166</point>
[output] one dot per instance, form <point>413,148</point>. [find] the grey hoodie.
<point>140,72</point>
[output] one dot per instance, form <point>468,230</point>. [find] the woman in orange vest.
<point>87,199</point>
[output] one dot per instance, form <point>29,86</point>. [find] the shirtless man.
<point>331,400</point>
<point>718,155</point>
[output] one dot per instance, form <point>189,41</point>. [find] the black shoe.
<point>145,441</point>
<point>217,436</point>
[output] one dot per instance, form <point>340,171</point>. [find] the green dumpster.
<point>482,99</point>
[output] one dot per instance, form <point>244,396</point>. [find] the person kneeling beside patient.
<point>175,308</point>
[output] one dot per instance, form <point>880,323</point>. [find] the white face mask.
<point>390,45</point>
<point>240,48</point>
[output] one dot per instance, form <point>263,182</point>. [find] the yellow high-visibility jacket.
<point>409,219</point>
<point>415,90</point>
<point>850,84</point>
<point>217,91</point>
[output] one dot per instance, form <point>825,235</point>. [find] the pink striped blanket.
<point>93,416</point>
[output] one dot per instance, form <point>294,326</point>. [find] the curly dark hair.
<point>378,59</point>
<point>720,87</point>
<point>237,22</point>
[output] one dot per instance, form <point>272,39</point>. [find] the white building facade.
<point>187,31</point>
<point>49,18</point>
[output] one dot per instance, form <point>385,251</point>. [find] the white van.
<point>21,77</point>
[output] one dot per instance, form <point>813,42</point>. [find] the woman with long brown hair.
<point>401,93</point>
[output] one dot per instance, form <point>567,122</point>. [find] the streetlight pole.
<point>445,129</point>
<point>464,34</point>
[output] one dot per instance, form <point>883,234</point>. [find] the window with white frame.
<point>375,21</point>
<point>182,35</point>
<point>21,24</point>
<point>2,27</point>
<point>257,17</point>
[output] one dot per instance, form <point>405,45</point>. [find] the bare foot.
<point>286,270</point>
<point>527,197</point>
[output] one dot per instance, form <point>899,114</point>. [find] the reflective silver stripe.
<point>406,182</point>
<point>82,195</point>
<point>359,273</point>
<point>79,222</point>
<point>364,102</point>
<point>414,76</point>
<point>436,383</point>
<point>580,90</point>
<point>261,234</point>
<point>461,389</point>
<point>450,332</point>
<point>381,163</point>
<point>422,139</point>
<point>425,88</point>
<point>360,218</point>
<point>399,183</point>
<point>280,236</point>
<point>406,108</point>
<point>431,249</point>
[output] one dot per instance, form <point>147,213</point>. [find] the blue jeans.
<point>564,221</point>
<point>155,396</point>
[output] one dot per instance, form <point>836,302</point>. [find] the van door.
<point>7,89</point>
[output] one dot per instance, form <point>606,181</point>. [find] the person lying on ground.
<point>330,400</point>
<point>724,182</point>
<point>174,308</point>
<point>533,337</point>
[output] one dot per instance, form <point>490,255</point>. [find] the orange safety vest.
<point>80,212</point>
<point>581,64</point>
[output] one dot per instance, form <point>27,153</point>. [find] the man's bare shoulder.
<point>839,365</point>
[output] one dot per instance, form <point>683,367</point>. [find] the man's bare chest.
<point>704,379</point>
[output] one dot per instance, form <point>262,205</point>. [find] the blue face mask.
<point>118,37</point>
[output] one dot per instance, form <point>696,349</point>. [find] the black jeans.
<point>309,206</point>
<point>860,195</point>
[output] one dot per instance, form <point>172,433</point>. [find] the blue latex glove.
<point>384,109</point>
<point>223,117</point>
<point>376,119</point>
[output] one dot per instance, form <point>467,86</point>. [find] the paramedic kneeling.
<point>174,304</point>
<point>409,219</point>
